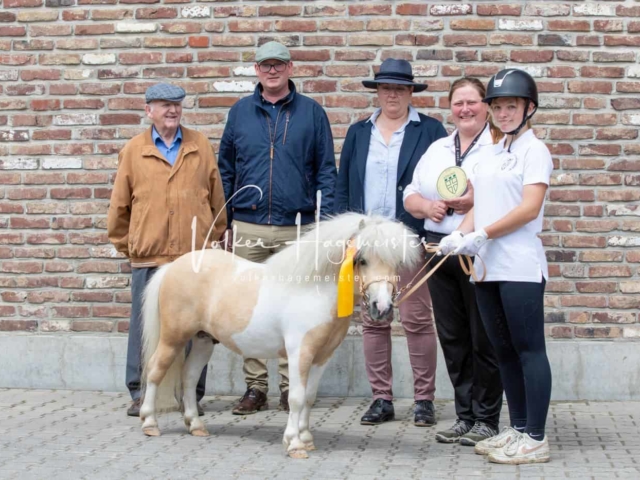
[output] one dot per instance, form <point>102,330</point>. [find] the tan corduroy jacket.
<point>153,204</point>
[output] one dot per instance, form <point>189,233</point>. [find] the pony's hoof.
<point>200,432</point>
<point>298,454</point>
<point>309,447</point>
<point>151,431</point>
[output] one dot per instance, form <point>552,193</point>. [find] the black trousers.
<point>513,314</point>
<point>471,362</point>
<point>139,279</point>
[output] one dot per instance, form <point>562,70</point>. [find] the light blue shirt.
<point>170,152</point>
<point>381,173</point>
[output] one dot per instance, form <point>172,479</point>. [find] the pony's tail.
<point>170,389</point>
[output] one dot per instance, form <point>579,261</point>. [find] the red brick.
<point>595,301</point>
<point>235,11</point>
<point>347,101</point>
<point>625,104</point>
<point>21,222</point>
<point>95,29</point>
<point>593,210</point>
<point>205,102</point>
<point>342,25</point>
<point>499,10</point>
<point>319,86</point>
<point>28,75</point>
<point>623,11</point>
<point>130,58</point>
<point>48,296</point>
<point>165,42</point>
<point>519,39</point>
<point>597,332</point>
<point>16,325</point>
<point>22,267</point>
<point>92,326</point>
<point>13,297</point>
<point>464,40</point>
<point>614,317</point>
<point>472,24</point>
<point>66,193</point>
<point>156,12</point>
<point>633,256</point>
<point>295,26</point>
<point>32,193</point>
<point>122,311</point>
<point>250,25</point>
<point>325,40</point>
<point>601,256</point>
<point>347,70</point>
<point>68,311</point>
<point>198,42</point>
<point>569,25</point>
<point>380,24</point>
<point>120,119</point>
<point>372,9</point>
<point>280,11</point>
<point>620,40</point>
<point>418,9</point>
<point>13,31</point>
<point>597,287</point>
<point>602,72</point>
<point>609,271</point>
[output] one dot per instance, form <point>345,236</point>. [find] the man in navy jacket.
<point>279,141</point>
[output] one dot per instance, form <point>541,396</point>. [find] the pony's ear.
<point>361,224</point>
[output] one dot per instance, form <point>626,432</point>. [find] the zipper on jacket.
<point>272,141</point>
<point>286,126</point>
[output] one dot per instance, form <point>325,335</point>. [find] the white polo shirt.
<point>440,156</point>
<point>498,184</point>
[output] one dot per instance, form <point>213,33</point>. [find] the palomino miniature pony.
<point>284,308</point>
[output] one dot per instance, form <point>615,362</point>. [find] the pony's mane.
<point>390,241</point>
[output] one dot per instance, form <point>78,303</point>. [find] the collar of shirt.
<point>284,99</point>
<point>413,117</point>
<point>522,140</point>
<point>157,138</point>
<point>485,138</point>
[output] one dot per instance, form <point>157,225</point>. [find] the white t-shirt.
<point>498,184</point>
<point>440,156</point>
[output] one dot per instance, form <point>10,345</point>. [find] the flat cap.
<point>165,91</point>
<point>273,51</point>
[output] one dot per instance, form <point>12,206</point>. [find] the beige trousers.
<point>264,241</point>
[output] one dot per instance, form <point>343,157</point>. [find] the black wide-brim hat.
<point>395,71</point>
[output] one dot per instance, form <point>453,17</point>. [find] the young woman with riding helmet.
<point>501,229</point>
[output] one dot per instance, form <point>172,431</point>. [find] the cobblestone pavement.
<point>47,434</point>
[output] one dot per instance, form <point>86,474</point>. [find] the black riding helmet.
<point>512,82</point>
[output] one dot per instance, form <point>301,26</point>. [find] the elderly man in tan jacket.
<point>167,176</point>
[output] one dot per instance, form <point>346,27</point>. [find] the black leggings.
<point>513,316</point>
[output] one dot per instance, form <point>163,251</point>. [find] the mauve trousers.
<point>417,321</point>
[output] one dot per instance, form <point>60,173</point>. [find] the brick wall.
<point>73,73</point>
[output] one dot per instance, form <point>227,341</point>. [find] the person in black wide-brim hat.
<point>377,162</point>
<point>395,72</point>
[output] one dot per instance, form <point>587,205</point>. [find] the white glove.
<point>472,243</point>
<point>450,242</point>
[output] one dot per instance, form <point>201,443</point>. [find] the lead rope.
<point>465,262</point>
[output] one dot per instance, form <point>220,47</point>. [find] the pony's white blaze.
<point>286,307</point>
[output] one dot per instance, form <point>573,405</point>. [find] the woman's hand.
<point>463,204</point>
<point>436,210</point>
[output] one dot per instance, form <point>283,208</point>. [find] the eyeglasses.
<point>386,89</point>
<point>266,67</point>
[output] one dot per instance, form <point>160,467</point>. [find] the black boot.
<point>425,414</point>
<point>379,412</point>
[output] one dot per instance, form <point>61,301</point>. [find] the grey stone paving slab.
<point>86,435</point>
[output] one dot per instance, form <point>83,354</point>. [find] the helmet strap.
<point>525,118</point>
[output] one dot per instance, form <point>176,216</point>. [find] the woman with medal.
<point>376,164</point>
<point>441,195</point>
<point>502,229</point>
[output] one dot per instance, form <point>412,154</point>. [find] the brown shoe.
<point>252,401</point>
<point>284,401</point>
<point>134,409</point>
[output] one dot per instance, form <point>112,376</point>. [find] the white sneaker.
<point>522,449</point>
<point>486,446</point>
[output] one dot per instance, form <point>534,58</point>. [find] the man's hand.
<point>450,242</point>
<point>227,240</point>
<point>472,243</point>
